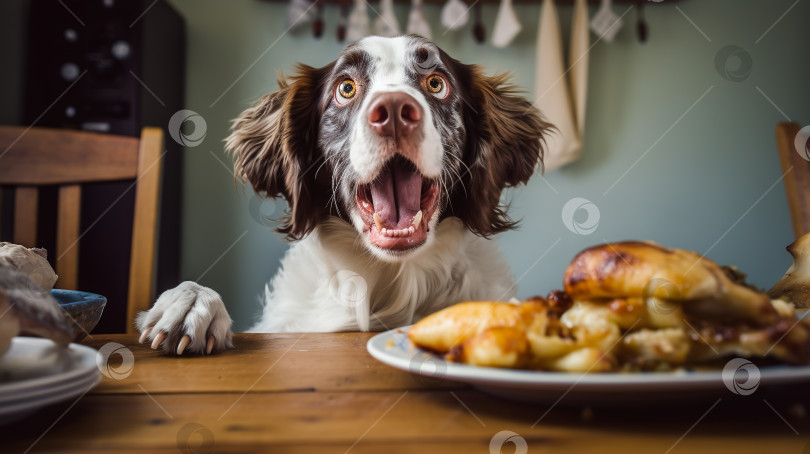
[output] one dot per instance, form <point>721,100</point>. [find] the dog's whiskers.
<point>319,167</point>
<point>456,171</point>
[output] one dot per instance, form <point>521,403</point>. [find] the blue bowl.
<point>84,308</point>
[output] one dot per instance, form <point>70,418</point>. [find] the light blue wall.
<point>707,180</point>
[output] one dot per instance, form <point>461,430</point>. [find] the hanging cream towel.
<point>561,94</point>
<point>578,62</point>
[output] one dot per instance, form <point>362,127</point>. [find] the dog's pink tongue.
<point>397,195</point>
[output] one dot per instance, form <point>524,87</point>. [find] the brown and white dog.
<point>392,160</point>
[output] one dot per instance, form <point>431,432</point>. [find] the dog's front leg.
<point>189,318</point>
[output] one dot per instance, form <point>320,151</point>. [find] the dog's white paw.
<point>189,318</point>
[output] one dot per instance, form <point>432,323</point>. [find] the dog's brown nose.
<point>395,114</point>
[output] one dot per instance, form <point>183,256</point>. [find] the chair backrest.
<point>32,157</point>
<point>796,171</point>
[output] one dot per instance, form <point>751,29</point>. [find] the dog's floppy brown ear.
<point>275,146</point>
<point>505,144</point>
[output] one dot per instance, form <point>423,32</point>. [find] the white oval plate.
<point>395,349</point>
<point>16,410</point>
<point>38,372</point>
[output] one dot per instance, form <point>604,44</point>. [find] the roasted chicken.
<point>794,287</point>
<point>625,306</point>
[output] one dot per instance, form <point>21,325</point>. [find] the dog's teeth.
<point>417,219</point>
<point>378,221</point>
<point>396,233</point>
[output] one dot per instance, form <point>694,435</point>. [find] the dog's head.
<point>393,136</point>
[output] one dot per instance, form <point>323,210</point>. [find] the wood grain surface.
<point>323,393</point>
<point>46,156</point>
<point>145,224</point>
<point>51,157</point>
<point>67,236</point>
<point>796,172</point>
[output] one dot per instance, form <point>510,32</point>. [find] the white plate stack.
<point>36,372</point>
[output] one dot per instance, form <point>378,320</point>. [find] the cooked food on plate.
<point>26,305</point>
<point>794,286</point>
<point>31,261</point>
<point>624,306</point>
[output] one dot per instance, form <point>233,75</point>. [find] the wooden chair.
<point>32,157</point>
<point>796,170</point>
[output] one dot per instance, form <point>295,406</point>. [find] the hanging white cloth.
<point>455,14</point>
<point>562,90</point>
<point>507,25</point>
<point>299,12</point>
<point>417,24</point>
<point>358,22</point>
<point>605,22</point>
<point>386,24</point>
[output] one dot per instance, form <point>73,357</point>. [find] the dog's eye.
<point>345,91</point>
<point>436,86</point>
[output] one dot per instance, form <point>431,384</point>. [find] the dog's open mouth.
<point>397,206</point>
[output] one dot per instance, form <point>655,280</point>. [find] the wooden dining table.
<point>324,393</point>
